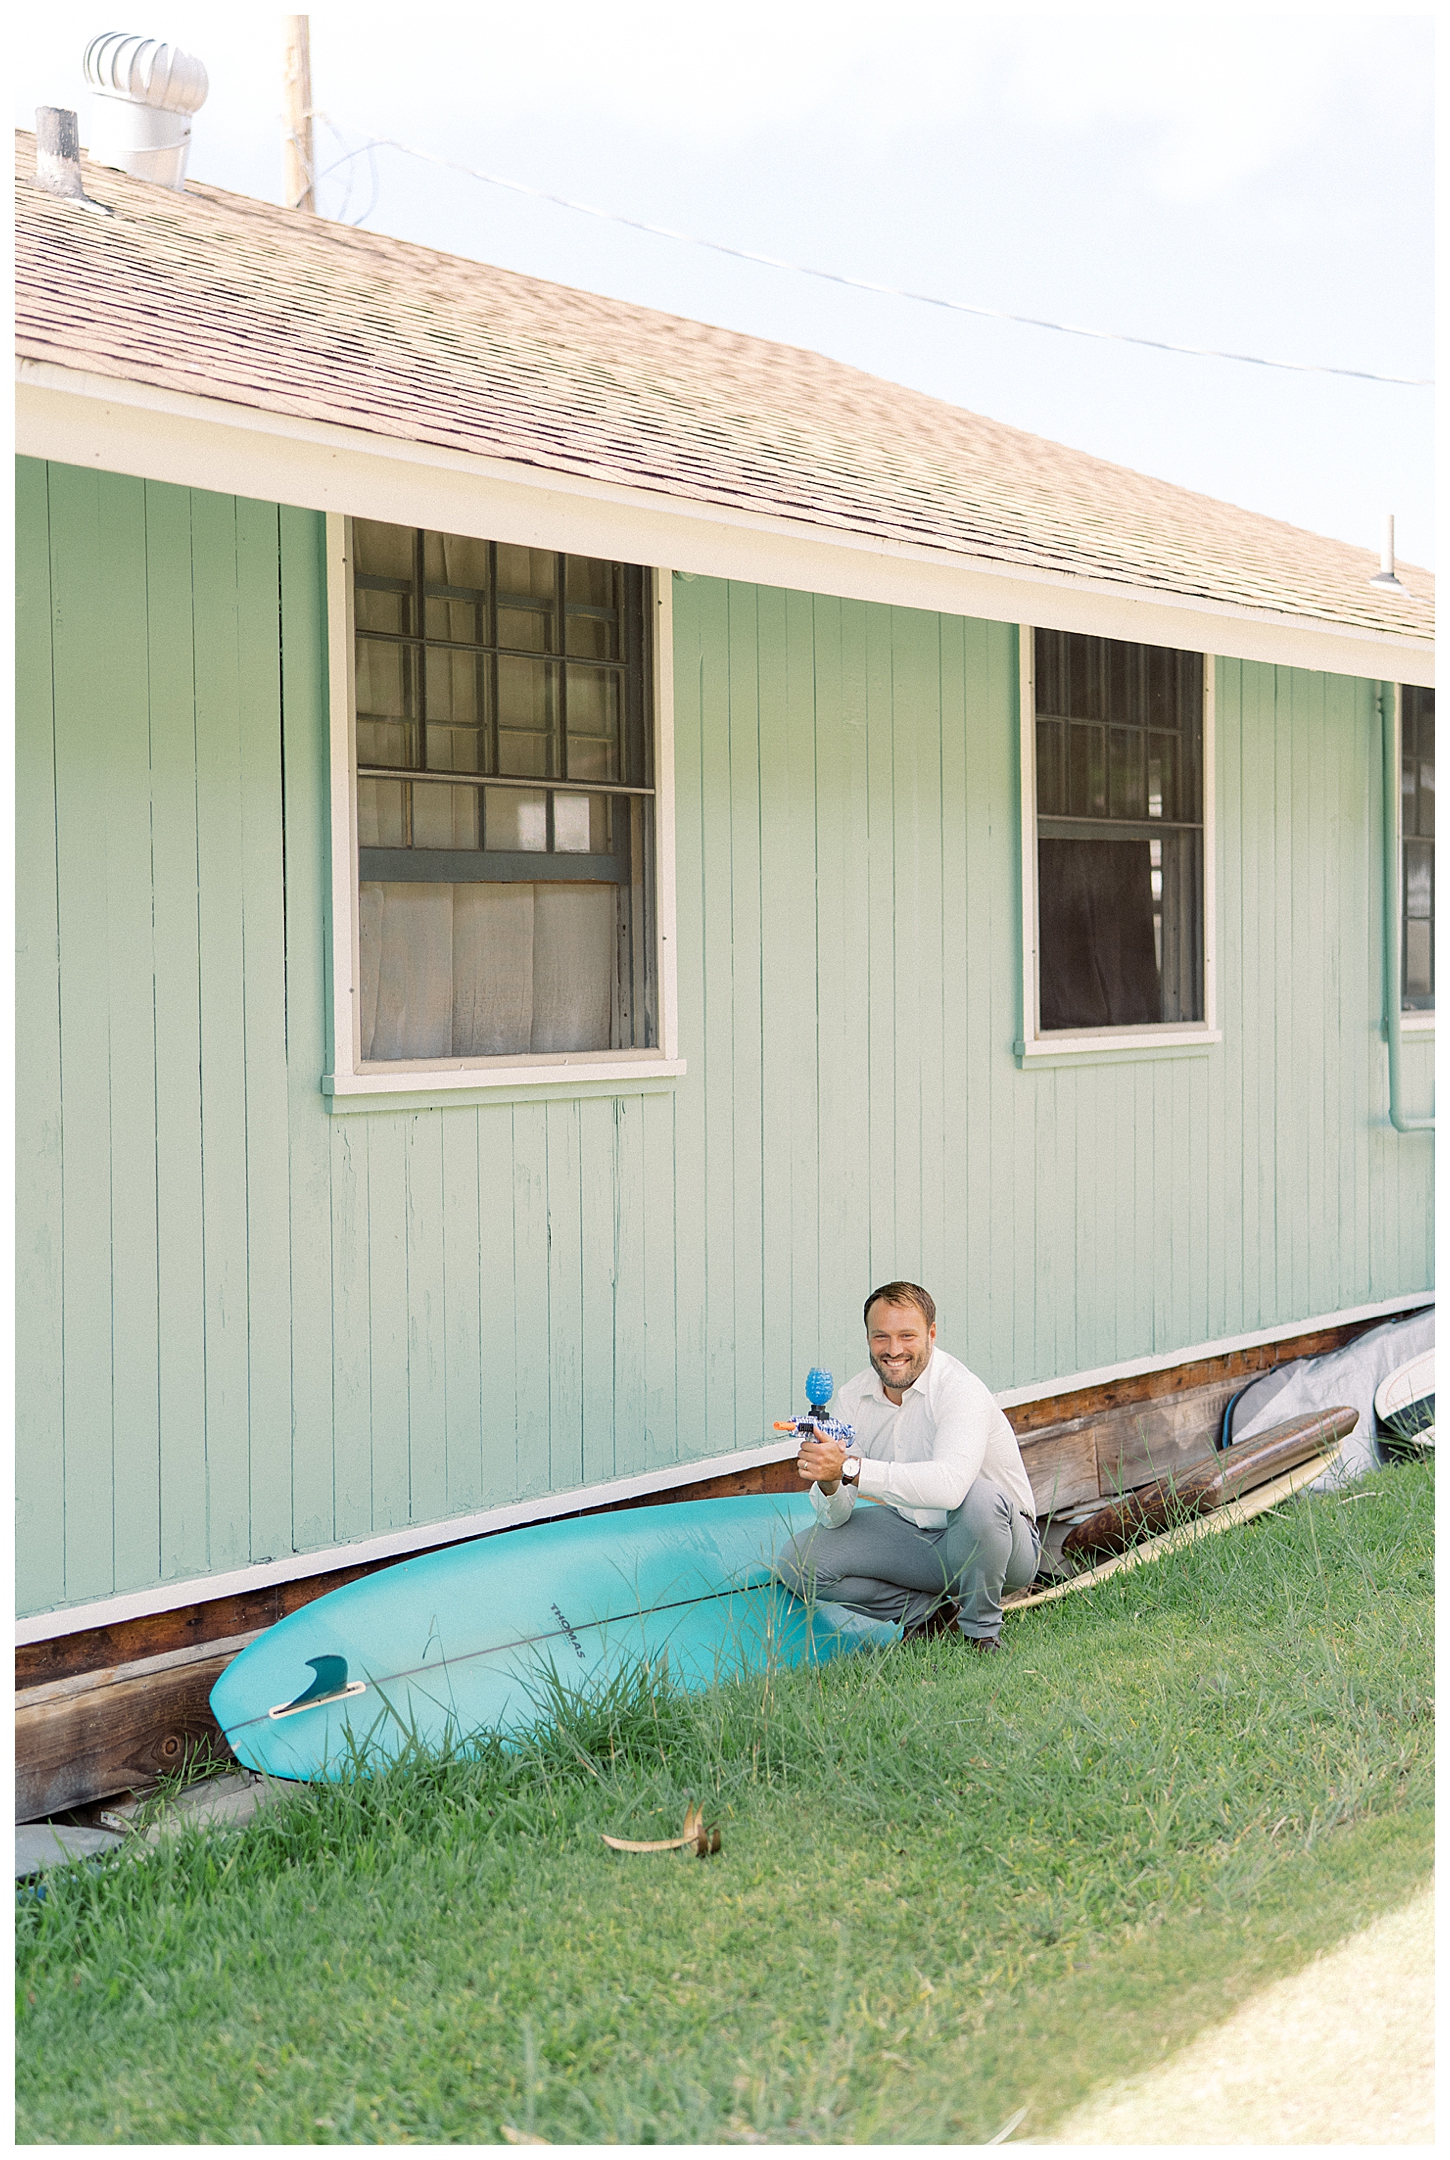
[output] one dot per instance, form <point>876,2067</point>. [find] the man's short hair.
<point>902,1293</point>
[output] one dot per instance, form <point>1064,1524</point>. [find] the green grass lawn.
<point>951,1887</point>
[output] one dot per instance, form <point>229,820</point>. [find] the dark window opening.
<point>1417,850</point>
<point>1119,832</point>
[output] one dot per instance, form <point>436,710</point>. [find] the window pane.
<point>458,622</point>
<point>515,818</point>
<point>386,680</point>
<point>526,572</point>
<point>525,629</point>
<point>388,611</point>
<point>527,717</point>
<point>1163,770</point>
<point>383,550</point>
<point>380,814</point>
<point>1087,771</point>
<point>1098,965</point>
<point>1049,662</point>
<point>445,817</point>
<point>591,637</point>
<point>593,724</point>
<point>1427,798</point>
<point>582,825</point>
<point>1083,678</point>
<point>590,582</point>
<point>387,742</point>
<point>454,749</point>
<point>453,560</point>
<point>1127,777</point>
<point>1179,924</point>
<point>1419,875</point>
<point>571,824</point>
<point>1051,767</point>
<point>406,986</point>
<point>1419,953</point>
<point>453,689</point>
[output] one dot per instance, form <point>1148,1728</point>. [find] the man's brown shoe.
<point>983,1642</point>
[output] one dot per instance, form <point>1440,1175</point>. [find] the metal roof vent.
<point>1384,579</point>
<point>145,95</point>
<point>58,158</point>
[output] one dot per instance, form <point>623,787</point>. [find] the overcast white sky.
<point>1241,180</point>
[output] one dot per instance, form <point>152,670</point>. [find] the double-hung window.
<point>1117,836</point>
<point>1417,850</point>
<point>504,814</point>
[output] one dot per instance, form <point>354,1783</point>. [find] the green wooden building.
<point>556,846</point>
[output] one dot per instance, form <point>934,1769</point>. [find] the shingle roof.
<point>229,298</point>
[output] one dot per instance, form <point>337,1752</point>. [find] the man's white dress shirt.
<point>922,1456</point>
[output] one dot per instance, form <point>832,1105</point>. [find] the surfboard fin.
<point>330,1685</point>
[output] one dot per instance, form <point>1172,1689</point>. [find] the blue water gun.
<point>820,1387</point>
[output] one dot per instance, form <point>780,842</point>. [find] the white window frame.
<point>1095,1045</point>
<point>350,1083</point>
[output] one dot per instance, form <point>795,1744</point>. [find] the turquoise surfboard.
<point>459,1641</point>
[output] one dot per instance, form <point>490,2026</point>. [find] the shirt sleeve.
<point>965,1418</point>
<point>833,1509</point>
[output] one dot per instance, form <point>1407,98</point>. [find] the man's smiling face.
<point>899,1343</point>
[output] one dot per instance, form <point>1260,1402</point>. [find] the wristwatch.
<point>851,1470</point>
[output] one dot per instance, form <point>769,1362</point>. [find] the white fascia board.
<point>91,420</point>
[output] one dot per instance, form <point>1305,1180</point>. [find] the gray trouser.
<point>879,1564</point>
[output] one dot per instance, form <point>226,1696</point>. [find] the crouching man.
<point>957,1526</point>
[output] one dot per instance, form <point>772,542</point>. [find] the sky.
<point>1241,180</point>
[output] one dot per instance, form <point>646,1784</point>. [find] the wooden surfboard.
<point>1154,1548</point>
<point>1226,1476</point>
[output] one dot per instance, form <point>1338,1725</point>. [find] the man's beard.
<point>901,1381</point>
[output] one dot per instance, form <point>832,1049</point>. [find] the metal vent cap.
<point>145,71</point>
<point>145,94</point>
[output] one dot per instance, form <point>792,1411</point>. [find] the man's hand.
<point>819,1462</point>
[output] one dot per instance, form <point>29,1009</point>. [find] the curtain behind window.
<point>485,970</point>
<point>1097,964</point>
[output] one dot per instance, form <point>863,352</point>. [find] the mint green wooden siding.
<point>247,1328</point>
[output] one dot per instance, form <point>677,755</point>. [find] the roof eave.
<point>136,428</point>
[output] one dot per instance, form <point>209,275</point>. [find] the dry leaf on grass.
<point>519,2137</point>
<point>704,1837</point>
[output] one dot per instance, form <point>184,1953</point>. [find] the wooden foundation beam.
<point>108,1709</point>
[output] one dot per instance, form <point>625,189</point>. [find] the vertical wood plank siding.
<point>247,1328</point>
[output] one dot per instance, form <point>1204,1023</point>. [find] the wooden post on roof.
<point>297,137</point>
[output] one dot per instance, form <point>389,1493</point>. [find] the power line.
<point>890,292</point>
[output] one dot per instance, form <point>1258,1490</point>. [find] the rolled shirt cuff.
<point>833,1508</point>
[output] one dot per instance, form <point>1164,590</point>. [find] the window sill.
<point>1411,1023</point>
<point>1108,1046</point>
<point>417,1086</point>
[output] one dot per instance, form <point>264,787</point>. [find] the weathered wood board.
<point>102,1733</point>
<point>1109,1451</point>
